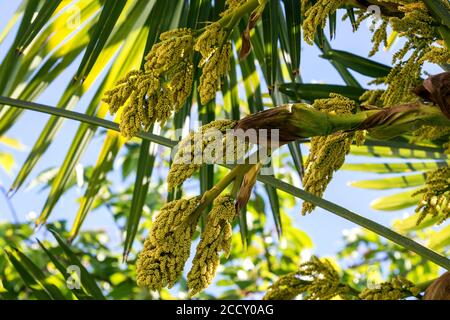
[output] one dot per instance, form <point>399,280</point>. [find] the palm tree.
<point>156,65</point>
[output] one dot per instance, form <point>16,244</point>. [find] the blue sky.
<point>324,228</point>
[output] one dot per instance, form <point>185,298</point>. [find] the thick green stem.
<point>230,20</point>
<point>300,120</point>
<point>209,196</point>
<point>296,192</point>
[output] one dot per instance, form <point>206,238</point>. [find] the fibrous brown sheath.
<point>436,89</point>
<point>439,289</point>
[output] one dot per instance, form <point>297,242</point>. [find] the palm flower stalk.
<point>396,289</point>
<point>167,248</point>
<point>316,278</point>
<point>191,151</point>
<point>299,120</point>
<point>327,153</point>
<point>435,196</point>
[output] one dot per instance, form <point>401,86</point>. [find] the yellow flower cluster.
<point>318,279</point>
<point>216,238</point>
<point>403,77</point>
<point>327,153</point>
<point>397,288</point>
<point>418,26</point>
<point>325,282</point>
<point>167,248</point>
<point>191,151</point>
<point>215,51</point>
<point>413,21</point>
<point>437,55</point>
<point>436,196</point>
<point>379,37</point>
<point>430,133</point>
<point>287,287</point>
<point>372,98</point>
<point>163,86</point>
<point>317,15</point>
<point>305,5</point>
<point>231,6</point>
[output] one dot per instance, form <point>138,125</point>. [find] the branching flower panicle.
<point>191,150</point>
<point>411,20</point>
<point>372,98</point>
<point>327,153</point>
<point>397,288</point>
<point>216,238</point>
<point>287,287</point>
<point>418,26</point>
<point>317,15</point>
<point>318,279</point>
<point>232,5</point>
<point>437,55</point>
<point>215,51</point>
<point>163,86</point>
<point>379,37</point>
<point>167,248</point>
<point>430,133</point>
<point>435,196</point>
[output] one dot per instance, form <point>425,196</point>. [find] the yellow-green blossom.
<point>167,248</point>
<point>379,37</point>
<point>163,86</point>
<point>430,133</point>
<point>397,288</point>
<point>317,15</point>
<point>287,287</point>
<point>232,5</point>
<point>437,55</point>
<point>435,196</point>
<point>191,152</point>
<point>317,279</point>
<point>215,51</point>
<point>372,98</point>
<point>327,153</point>
<point>215,238</point>
<point>418,26</point>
